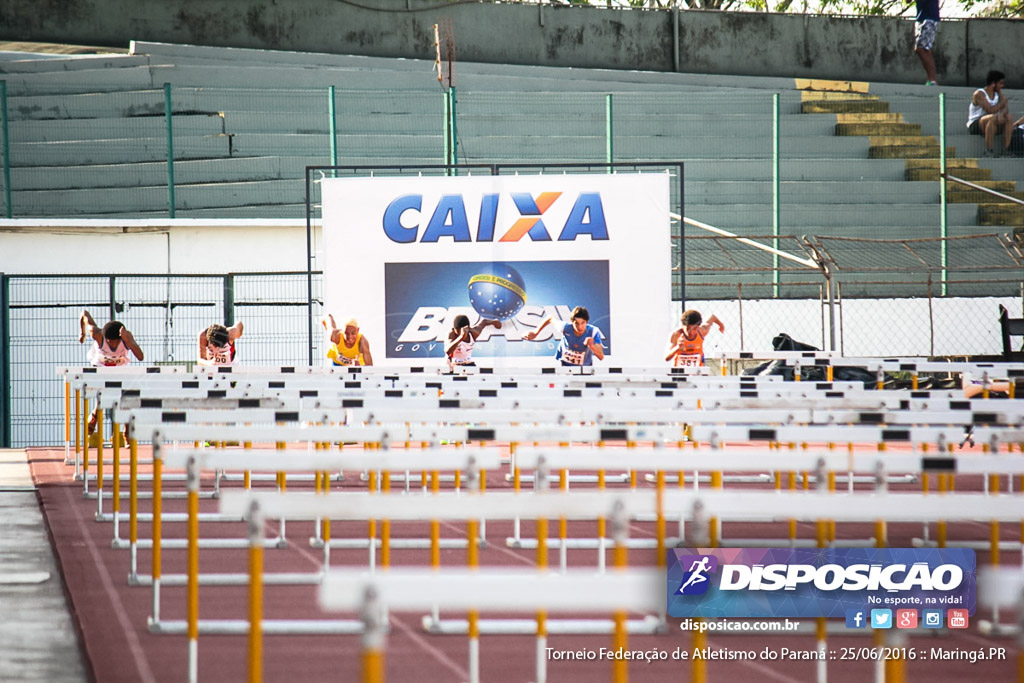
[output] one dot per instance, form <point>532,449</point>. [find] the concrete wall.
<point>868,48</point>
<point>186,246</point>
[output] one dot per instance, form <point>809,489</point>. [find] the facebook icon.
<point>856,618</point>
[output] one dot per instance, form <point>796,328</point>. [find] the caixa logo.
<point>404,218</point>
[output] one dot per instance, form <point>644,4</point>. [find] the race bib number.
<point>111,361</point>
<point>343,360</point>
<point>688,361</point>
<point>573,357</point>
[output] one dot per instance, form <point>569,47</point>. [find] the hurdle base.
<point>221,543</point>
<point>234,579</point>
<point>405,543</point>
<point>460,627</point>
<point>787,543</point>
<point>973,545</point>
<point>574,478</point>
<point>581,543</point>
<point>997,629</point>
<point>232,627</point>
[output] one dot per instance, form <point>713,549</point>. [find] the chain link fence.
<point>165,314</point>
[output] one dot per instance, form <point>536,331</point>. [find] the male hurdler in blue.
<point>581,341</point>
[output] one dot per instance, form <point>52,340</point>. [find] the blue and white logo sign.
<point>861,585</point>
<point>697,579</point>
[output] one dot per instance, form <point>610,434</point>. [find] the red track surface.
<point>119,647</point>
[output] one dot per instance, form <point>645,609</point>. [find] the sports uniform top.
<point>974,112</point>
<point>691,351</point>
<point>573,349</point>
<point>927,10</point>
<point>103,355</point>
<point>219,355</point>
<point>462,354</point>
<point>340,354</point>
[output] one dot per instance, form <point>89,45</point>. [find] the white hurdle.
<point>484,589</point>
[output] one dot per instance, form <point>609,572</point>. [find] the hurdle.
<point>506,590</point>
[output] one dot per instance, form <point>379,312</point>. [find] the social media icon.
<point>906,618</point>
<point>881,618</point>
<point>956,618</point>
<point>856,618</point>
<point>931,618</point>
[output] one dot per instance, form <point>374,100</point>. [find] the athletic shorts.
<point>924,33</point>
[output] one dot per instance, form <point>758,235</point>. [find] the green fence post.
<point>775,193</point>
<point>333,125</point>
<point>7,151</point>
<point>453,127</point>
<point>229,300</point>
<point>170,149</point>
<point>112,297</point>
<point>5,361</point>
<point>447,135</point>
<point>609,137</point>
<point>943,214</point>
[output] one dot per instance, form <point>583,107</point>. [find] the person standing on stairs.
<point>989,113</point>
<point>926,25</point>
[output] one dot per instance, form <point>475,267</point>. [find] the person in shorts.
<point>581,341</point>
<point>348,345</point>
<point>461,339</point>
<point>111,345</point>
<point>686,345</point>
<point>989,113</point>
<point>926,25</point>
<point>217,344</point>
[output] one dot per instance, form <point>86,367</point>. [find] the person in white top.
<point>461,339</point>
<point>217,344</point>
<point>110,347</point>
<point>989,113</point>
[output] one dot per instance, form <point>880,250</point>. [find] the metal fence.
<point>165,313</point>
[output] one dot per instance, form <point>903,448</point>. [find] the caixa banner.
<point>406,256</point>
<point>825,582</point>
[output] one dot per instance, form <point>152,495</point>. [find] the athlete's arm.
<point>88,328</point>
<point>364,349</point>
<point>129,341</point>
<point>202,345</point>
<point>673,345</point>
<point>454,337</point>
<point>532,334</point>
<point>235,331</point>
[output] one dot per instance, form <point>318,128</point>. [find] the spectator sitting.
<point>989,113</point>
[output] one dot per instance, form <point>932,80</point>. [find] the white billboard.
<point>404,256</point>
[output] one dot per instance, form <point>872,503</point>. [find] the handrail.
<point>983,189</point>
<point>764,247</point>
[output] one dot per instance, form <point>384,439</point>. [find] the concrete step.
<point>94,152</point>
<point>825,96</point>
<point>1000,214</point>
<point>978,197</point>
<point>74,82</point>
<point>155,173</point>
<point>966,173</point>
<point>844,106</point>
<point>66,130</point>
<point>813,192</point>
<point>88,106</point>
<point>95,202</point>
<point>805,218</point>
<point>997,185</point>
<point>385,145</point>
<point>878,129</point>
<point>72,63</point>
<point>870,118</point>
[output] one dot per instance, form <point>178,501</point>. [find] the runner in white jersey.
<point>217,344</point>
<point>110,347</point>
<point>461,339</point>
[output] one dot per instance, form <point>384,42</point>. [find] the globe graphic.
<point>498,292</point>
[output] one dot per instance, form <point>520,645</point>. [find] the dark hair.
<point>112,330</point>
<point>691,317</point>
<point>994,77</point>
<point>460,322</point>
<point>217,335</point>
<point>580,312</point>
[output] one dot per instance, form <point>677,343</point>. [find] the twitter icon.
<point>881,618</point>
